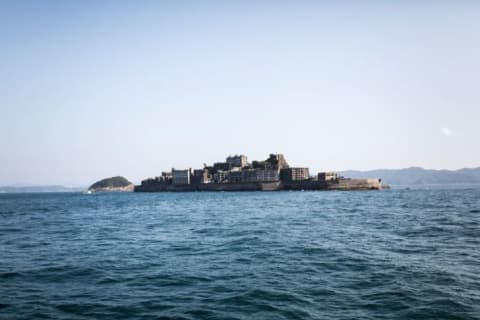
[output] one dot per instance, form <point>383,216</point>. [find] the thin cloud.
<point>447,132</point>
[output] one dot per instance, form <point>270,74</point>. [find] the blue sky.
<point>90,89</point>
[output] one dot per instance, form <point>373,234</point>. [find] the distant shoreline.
<point>40,189</point>
<point>393,186</point>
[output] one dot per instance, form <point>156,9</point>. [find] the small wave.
<point>8,275</point>
<point>108,280</point>
<point>171,318</point>
<point>243,241</point>
<point>257,295</point>
<point>201,314</point>
<point>474,211</point>
<point>8,230</point>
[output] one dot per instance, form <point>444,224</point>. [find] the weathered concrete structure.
<point>237,161</point>
<point>200,176</point>
<point>223,166</point>
<point>294,174</point>
<point>305,185</point>
<point>354,184</point>
<point>181,177</point>
<point>327,176</point>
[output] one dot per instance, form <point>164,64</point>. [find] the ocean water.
<point>392,254</point>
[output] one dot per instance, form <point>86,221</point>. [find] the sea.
<point>404,253</point>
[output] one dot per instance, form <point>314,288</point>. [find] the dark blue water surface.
<point>392,254</point>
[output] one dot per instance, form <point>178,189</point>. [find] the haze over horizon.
<point>90,90</point>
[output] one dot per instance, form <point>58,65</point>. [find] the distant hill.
<point>419,176</point>
<point>112,184</point>
<point>28,189</point>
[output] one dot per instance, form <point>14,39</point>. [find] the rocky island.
<point>238,174</point>
<point>113,184</point>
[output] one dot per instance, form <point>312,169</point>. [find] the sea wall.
<point>341,184</point>
<point>304,185</point>
<point>355,184</point>
<point>267,186</point>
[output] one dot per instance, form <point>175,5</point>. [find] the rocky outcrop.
<point>113,184</point>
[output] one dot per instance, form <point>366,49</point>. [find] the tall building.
<point>237,161</point>
<point>327,176</point>
<point>181,177</point>
<point>294,174</point>
<point>221,166</point>
<point>254,176</point>
<point>200,176</point>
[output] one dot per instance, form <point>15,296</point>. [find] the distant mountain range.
<point>26,189</point>
<point>419,176</point>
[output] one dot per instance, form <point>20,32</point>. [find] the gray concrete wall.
<point>342,184</point>
<point>267,186</point>
<point>355,184</point>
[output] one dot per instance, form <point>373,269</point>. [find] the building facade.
<point>327,176</point>
<point>295,174</point>
<point>237,161</point>
<point>254,176</point>
<point>221,166</point>
<point>200,176</point>
<point>181,177</point>
<point>221,176</point>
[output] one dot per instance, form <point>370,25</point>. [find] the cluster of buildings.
<point>237,170</point>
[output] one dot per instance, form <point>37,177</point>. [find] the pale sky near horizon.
<point>92,89</point>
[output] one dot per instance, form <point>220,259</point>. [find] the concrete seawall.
<point>341,184</point>
<point>267,186</point>
<point>355,184</point>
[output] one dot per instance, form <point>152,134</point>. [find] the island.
<point>113,184</point>
<point>236,173</point>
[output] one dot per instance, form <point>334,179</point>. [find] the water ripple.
<point>398,254</point>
